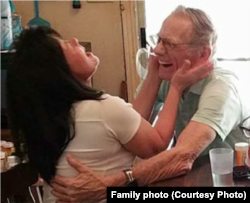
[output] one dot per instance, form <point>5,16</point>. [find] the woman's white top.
<point>101,129</point>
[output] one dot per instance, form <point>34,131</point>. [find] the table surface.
<point>199,176</point>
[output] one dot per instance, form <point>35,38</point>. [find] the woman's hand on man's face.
<point>190,74</point>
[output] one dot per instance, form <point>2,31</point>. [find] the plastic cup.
<point>222,160</point>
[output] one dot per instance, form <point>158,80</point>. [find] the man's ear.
<point>205,52</point>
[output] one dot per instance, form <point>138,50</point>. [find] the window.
<point>231,19</point>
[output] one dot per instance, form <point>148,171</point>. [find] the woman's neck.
<point>87,83</point>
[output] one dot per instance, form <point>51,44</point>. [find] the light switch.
<point>100,1</point>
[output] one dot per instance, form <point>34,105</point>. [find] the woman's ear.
<point>205,52</point>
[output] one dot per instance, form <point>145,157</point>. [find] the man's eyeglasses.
<point>245,126</point>
<point>155,39</point>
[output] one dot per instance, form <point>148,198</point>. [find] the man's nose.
<point>160,49</point>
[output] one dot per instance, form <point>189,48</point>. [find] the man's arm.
<point>168,164</point>
<point>178,160</point>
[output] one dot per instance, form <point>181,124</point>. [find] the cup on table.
<point>222,161</point>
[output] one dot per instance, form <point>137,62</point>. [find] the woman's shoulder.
<point>107,106</point>
<point>114,100</point>
<point>106,100</point>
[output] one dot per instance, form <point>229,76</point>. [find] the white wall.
<point>230,17</point>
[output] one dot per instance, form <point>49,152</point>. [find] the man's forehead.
<point>176,28</point>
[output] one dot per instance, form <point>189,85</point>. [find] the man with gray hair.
<point>208,117</point>
<point>213,105</point>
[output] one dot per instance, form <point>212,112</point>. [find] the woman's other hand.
<point>188,75</point>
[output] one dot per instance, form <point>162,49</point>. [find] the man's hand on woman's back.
<point>85,186</point>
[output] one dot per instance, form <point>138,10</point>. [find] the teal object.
<point>12,7</point>
<point>16,25</point>
<point>37,20</point>
<point>76,4</point>
<point>6,25</point>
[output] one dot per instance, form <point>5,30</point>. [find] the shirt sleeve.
<point>121,119</point>
<point>219,107</point>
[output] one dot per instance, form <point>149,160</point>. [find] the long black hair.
<point>40,93</point>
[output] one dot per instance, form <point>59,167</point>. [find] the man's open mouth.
<point>165,64</point>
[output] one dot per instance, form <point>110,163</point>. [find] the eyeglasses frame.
<point>244,129</point>
<point>167,42</point>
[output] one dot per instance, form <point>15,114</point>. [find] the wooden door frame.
<point>131,44</point>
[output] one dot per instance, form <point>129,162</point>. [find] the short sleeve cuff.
<point>137,122</point>
<point>211,124</point>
